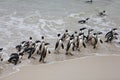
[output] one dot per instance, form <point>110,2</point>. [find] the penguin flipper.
<point>101,41</point>
<point>84,45</point>
<point>62,46</point>
<point>56,45</point>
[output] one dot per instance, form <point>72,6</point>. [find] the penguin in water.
<point>95,40</point>
<point>65,35</point>
<point>44,53</point>
<point>15,58</point>
<point>80,42</point>
<point>70,47</point>
<point>58,44</point>
<point>75,39</point>
<point>89,36</point>
<point>89,1</point>
<point>42,45</point>
<point>111,35</point>
<point>102,13</point>
<point>83,21</point>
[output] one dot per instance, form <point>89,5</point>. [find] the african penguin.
<point>83,21</point>
<point>58,44</point>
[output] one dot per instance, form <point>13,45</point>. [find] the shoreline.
<point>100,68</point>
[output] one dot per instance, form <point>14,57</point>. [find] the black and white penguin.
<point>59,44</point>
<point>95,40</point>
<point>75,39</point>
<point>89,36</point>
<point>43,54</point>
<point>83,21</point>
<point>15,58</point>
<point>102,13</point>
<point>70,47</point>
<point>65,36</point>
<point>80,42</point>
<point>110,35</point>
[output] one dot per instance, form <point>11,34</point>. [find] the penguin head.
<point>66,30</point>
<point>75,32</point>
<point>104,11</point>
<point>30,38</point>
<point>58,35</point>
<point>42,37</point>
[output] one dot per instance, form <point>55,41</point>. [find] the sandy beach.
<point>90,68</point>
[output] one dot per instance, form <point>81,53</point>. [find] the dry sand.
<point>90,68</point>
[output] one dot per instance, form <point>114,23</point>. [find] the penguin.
<point>58,44</point>
<point>75,39</point>
<point>42,45</point>
<point>110,35</point>
<point>83,21</point>
<point>102,13</point>
<point>80,42</point>
<point>89,1</point>
<point>43,54</point>
<point>70,47</point>
<point>95,40</point>
<point>89,36</point>
<point>15,58</point>
<point>65,35</point>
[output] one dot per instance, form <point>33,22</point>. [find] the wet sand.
<point>89,68</point>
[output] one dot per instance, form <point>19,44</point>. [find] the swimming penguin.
<point>102,13</point>
<point>58,44</point>
<point>95,40</point>
<point>65,36</point>
<point>89,1</point>
<point>70,47</point>
<point>83,21</point>
<point>15,58</point>
<point>80,42</point>
<point>110,35</point>
<point>43,54</point>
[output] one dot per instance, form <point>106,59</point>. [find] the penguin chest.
<point>94,41</point>
<point>80,43</point>
<point>58,45</point>
<point>71,47</point>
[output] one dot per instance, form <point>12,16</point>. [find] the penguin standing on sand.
<point>95,40</point>
<point>58,44</point>
<point>80,42</point>
<point>111,35</point>
<point>70,47</point>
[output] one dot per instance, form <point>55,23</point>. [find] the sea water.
<point>20,19</point>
